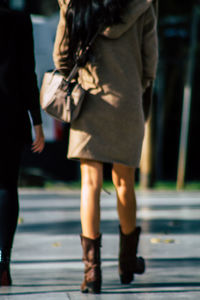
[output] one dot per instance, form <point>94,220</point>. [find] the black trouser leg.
<point>9,205</point>
<point>8,222</point>
<point>9,209</point>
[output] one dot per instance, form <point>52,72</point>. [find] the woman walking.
<point>18,95</point>
<point>120,67</point>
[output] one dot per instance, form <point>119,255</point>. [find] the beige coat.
<point>111,124</point>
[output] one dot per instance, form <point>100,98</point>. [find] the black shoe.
<point>5,277</point>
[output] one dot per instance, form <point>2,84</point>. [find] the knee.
<point>92,183</point>
<point>124,183</point>
<point>123,187</point>
<point>8,199</point>
<point>92,175</point>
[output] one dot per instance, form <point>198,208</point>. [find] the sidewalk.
<point>46,261</point>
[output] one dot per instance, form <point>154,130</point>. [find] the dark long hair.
<point>84,18</point>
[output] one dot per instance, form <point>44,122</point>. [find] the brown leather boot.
<point>129,263</point>
<point>5,278</point>
<point>91,258</point>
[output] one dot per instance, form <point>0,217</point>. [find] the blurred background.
<point>172,148</point>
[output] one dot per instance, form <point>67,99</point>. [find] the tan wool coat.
<point>110,127</point>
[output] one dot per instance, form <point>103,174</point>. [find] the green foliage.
<point>108,186</point>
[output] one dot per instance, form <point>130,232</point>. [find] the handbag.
<point>61,97</point>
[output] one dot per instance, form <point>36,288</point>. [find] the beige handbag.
<point>61,97</point>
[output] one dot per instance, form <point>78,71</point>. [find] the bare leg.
<point>91,184</point>
<point>124,179</point>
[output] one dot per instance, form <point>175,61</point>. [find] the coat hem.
<point>102,161</point>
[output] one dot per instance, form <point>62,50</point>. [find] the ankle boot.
<point>91,258</point>
<point>129,263</point>
<point>5,278</point>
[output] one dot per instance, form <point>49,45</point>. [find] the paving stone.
<point>45,296</point>
<point>46,259</point>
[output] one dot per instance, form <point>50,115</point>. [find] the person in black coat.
<point>19,97</point>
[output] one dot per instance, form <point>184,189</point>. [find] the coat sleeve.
<point>30,87</point>
<point>60,52</point>
<point>149,47</point>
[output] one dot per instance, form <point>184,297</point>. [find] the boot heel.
<point>94,287</point>
<point>140,266</point>
<point>126,278</point>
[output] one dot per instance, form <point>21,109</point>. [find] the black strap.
<point>76,67</point>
